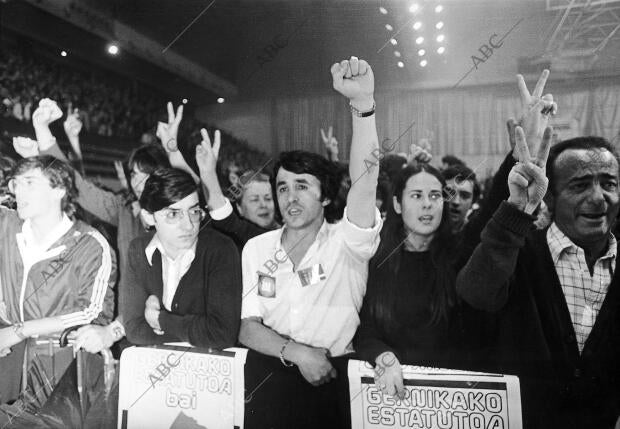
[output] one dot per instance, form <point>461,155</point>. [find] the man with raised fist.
<point>555,291</point>
<point>303,284</point>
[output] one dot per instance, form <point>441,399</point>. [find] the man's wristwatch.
<point>117,330</point>
<point>18,328</point>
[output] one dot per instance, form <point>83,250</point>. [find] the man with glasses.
<point>55,273</point>
<point>184,282</point>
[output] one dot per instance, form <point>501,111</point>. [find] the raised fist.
<point>26,147</point>
<point>354,79</point>
<point>73,124</point>
<point>47,112</point>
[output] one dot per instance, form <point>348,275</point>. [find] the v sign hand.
<point>535,110</point>
<point>207,154</point>
<point>527,181</point>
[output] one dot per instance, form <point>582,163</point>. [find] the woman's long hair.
<point>384,266</point>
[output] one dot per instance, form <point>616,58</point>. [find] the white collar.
<point>52,237</point>
<point>156,244</point>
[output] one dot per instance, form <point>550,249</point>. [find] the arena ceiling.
<point>244,49</point>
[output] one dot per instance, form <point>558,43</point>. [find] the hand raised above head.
<point>207,154</point>
<point>527,181</point>
<point>47,112</point>
<point>535,109</point>
<point>26,147</point>
<point>421,154</point>
<point>330,142</point>
<point>168,132</point>
<point>73,124</point>
<point>354,79</point>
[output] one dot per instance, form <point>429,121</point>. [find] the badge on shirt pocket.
<point>312,275</point>
<point>266,286</point>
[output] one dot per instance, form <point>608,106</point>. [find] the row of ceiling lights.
<point>414,8</point>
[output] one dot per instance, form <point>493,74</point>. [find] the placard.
<point>435,398</point>
<point>181,387</point>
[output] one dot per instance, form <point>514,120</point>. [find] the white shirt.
<point>34,251</point>
<point>223,212</point>
<point>319,303</point>
<point>172,270</point>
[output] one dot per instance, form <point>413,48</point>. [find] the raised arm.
<point>167,134</point>
<point>220,208</point>
<point>103,204</point>
<point>534,118</point>
<point>354,79</point>
<point>484,281</point>
<point>73,126</point>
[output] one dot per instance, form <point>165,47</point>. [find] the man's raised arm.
<point>354,79</point>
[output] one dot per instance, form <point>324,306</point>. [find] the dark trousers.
<point>278,397</point>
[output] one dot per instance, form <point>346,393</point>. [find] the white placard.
<point>435,398</point>
<point>181,387</point>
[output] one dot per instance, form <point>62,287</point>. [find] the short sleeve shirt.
<point>317,304</point>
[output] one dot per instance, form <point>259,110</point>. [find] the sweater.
<point>413,340</point>
<point>511,273</point>
<point>206,306</point>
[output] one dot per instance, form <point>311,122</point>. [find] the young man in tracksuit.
<point>55,273</point>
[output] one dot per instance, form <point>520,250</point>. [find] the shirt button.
<point>577,373</point>
<point>176,305</point>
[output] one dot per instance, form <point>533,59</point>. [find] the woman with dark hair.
<point>183,283</point>
<point>410,313</point>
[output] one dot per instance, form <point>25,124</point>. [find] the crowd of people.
<point>314,262</point>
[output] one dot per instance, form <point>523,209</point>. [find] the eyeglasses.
<point>172,216</point>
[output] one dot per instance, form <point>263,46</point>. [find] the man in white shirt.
<point>303,284</point>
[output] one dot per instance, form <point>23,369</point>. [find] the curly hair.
<point>59,173</point>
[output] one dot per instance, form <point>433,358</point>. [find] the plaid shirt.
<point>584,293</point>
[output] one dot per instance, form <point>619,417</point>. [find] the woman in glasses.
<point>184,282</point>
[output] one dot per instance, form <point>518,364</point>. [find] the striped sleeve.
<point>97,274</point>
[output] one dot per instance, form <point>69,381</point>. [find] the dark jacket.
<point>206,308</point>
<point>238,228</point>
<point>511,273</point>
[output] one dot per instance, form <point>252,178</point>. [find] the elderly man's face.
<point>586,201</point>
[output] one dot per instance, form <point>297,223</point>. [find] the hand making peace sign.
<point>527,181</point>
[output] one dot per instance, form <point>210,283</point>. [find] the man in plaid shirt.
<point>555,292</point>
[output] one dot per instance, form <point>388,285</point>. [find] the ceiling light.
<point>441,38</point>
<point>419,40</point>
<point>439,25</point>
<point>417,25</point>
<point>383,10</point>
<point>423,63</point>
<point>112,49</point>
<point>421,52</point>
